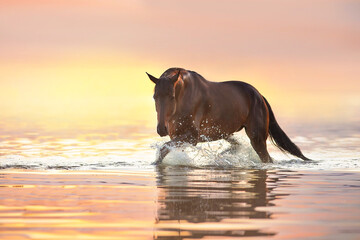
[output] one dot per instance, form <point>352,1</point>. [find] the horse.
<point>191,109</point>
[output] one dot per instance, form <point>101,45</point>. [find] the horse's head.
<point>165,101</point>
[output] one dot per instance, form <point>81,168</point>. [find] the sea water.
<point>96,187</point>
<point>327,148</point>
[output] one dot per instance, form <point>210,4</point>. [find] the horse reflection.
<point>193,196</point>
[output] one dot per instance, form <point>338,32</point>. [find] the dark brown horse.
<point>191,109</point>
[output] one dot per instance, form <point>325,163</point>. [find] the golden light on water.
<point>173,203</point>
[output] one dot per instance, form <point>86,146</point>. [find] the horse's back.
<point>196,80</point>
<point>229,87</point>
<point>243,87</point>
<point>226,100</point>
<point>226,96</point>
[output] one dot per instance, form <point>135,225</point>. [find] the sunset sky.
<point>85,61</point>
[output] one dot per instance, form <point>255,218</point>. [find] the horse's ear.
<point>152,78</point>
<point>175,77</point>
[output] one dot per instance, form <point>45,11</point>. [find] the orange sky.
<point>83,60</point>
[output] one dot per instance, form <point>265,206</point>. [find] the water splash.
<point>213,154</point>
<point>221,154</point>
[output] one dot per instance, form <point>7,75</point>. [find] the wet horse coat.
<point>191,109</point>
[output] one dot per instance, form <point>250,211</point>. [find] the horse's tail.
<point>279,137</point>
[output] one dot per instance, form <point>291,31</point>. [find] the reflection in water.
<point>179,203</point>
<point>218,201</point>
<point>82,205</point>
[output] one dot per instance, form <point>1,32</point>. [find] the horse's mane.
<point>171,72</point>
<point>186,74</point>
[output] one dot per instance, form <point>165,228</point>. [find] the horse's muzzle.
<point>161,130</point>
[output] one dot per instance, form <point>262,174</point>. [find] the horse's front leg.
<point>166,148</point>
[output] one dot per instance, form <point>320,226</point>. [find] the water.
<point>97,186</point>
<point>179,203</point>
<point>330,150</point>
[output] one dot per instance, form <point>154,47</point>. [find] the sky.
<point>79,63</point>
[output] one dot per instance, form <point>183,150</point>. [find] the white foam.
<point>217,153</point>
<point>222,154</point>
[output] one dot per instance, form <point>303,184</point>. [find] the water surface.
<point>179,203</point>
<point>103,186</point>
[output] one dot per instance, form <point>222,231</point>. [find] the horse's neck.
<point>189,93</point>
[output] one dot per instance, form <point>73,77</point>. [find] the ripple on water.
<point>140,153</point>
